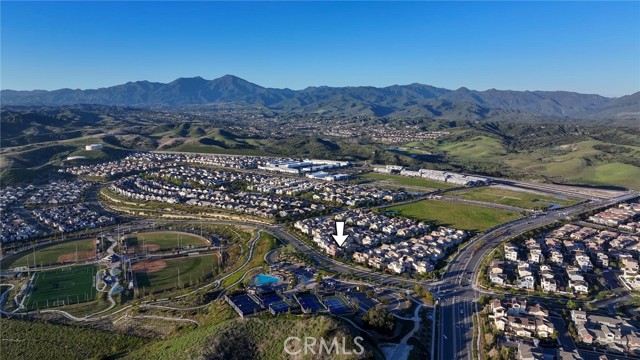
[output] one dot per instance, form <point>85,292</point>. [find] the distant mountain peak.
<point>405,101</point>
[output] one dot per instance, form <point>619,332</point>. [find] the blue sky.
<point>590,47</point>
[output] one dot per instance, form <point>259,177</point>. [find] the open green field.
<point>69,285</point>
<point>164,275</point>
<point>584,162</point>
<point>65,252</point>
<point>612,173</point>
<point>165,240</point>
<point>459,216</point>
<point>406,181</point>
<point>526,200</point>
<point>478,147</point>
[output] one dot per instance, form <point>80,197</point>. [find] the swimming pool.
<point>262,279</point>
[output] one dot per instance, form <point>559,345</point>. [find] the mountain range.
<point>397,101</point>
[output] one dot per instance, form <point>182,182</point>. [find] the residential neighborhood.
<point>564,261</point>
<point>399,245</point>
<point>609,333</point>
<point>519,318</point>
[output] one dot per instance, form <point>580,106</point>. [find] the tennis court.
<point>64,286</point>
<point>337,305</point>
<point>244,304</point>
<point>269,299</point>
<point>309,302</point>
<point>278,307</point>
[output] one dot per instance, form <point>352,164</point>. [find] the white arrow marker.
<point>340,238</point>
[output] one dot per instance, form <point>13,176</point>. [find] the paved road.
<point>457,290</point>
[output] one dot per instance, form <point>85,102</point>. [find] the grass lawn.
<point>614,173</point>
<point>52,254</point>
<point>527,200</point>
<point>69,285</point>
<point>191,270</point>
<point>406,181</point>
<point>166,239</point>
<point>459,216</point>
<point>579,163</point>
<point>477,147</point>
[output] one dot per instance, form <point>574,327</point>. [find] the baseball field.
<point>161,275</point>
<point>162,240</point>
<point>72,251</point>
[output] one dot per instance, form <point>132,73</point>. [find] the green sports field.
<point>459,216</point>
<point>166,240</point>
<point>526,200</point>
<point>69,285</point>
<point>191,269</point>
<point>65,252</point>
<point>398,180</point>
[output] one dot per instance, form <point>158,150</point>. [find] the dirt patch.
<point>149,266</point>
<point>81,256</point>
<point>142,248</point>
<point>150,247</point>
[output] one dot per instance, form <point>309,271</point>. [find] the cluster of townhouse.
<point>144,161</point>
<point>15,228</point>
<point>385,134</point>
<point>70,218</point>
<point>437,175</point>
<point>613,333</point>
<point>199,176</point>
<point>357,195</point>
<point>334,193</point>
<point>59,192</point>
<point>398,244</point>
<point>12,226</point>
<point>133,163</point>
<point>625,217</point>
<point>9,195</point>
<point>561,261</point>
<point>160,190</point>
<point>515,317</point>
<point>225,161</point>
